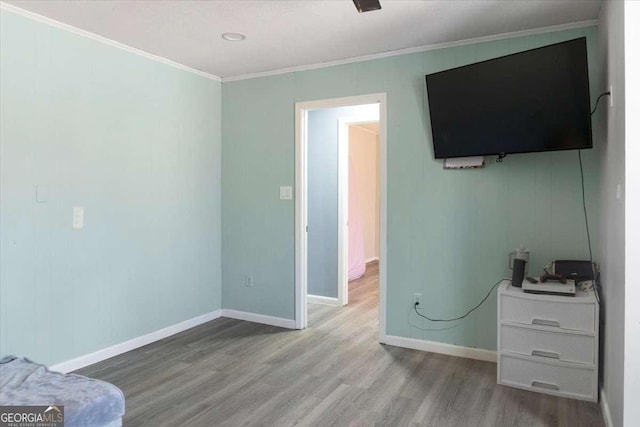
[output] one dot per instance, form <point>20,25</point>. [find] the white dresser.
<point>548,343</point>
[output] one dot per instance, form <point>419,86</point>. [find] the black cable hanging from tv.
<point>598,101</point>
<point>453,319</point>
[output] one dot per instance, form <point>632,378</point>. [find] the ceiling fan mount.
<point>367,5</point>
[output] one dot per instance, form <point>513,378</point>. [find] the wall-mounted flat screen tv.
<point>537,100</point>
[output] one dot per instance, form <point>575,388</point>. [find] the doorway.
<point>356,120</point>
<point>359,198</point>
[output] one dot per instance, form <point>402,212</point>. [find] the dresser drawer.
<point>576,316</point>
<point>562,346</point>
<point>561,379</point>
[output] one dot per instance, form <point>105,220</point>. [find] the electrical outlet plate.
<point>42,194</point>
<point>248,281</point>
<point>286,193</point>
<point>417,298</point>
<point>610,96</point>
<point>78,217</point>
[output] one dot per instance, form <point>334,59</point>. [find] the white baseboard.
<point>438,347</point>
<point>604,404</point>
<point>259,318</point>
<point>318,299</point>
<point>132,344</point>
<point>114,350</point>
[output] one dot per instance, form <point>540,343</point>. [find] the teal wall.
<point>449,232</point>
<point>137,143</point>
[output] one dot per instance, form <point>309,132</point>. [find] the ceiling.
<point>286,33</point>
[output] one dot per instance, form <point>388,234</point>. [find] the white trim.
<point>259,318</point>
<point>132,344</point>
<point>604,404</point>
<point>104,40</point>
<point>442,348</point>
<point>382,254</point>
<point>319,299</point>
<point>343,210</point>
<point>346,101</point>
<point>300,227</point>
<point>301,109</point>
<point>373,258</point>
<point>418,49</point>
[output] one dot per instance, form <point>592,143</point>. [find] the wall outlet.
<point>610,96</point>
<point>77,221</point>
<point>42,194</point>
<point>286,193</point>
<point>417,299</point>
<point>248,281</point>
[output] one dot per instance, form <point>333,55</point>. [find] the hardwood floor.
<point>235,373</point>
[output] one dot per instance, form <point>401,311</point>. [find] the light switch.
<point>42,193</point>
<point>286,193</point>
<point>78,217</point>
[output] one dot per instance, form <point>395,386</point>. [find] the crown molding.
<point>417,49</point>
<point>83,33</point>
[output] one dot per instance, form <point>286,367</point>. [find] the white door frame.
<point>301,116</point>
<point>343,201</point>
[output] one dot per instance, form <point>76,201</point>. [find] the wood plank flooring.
<point>335,373</point>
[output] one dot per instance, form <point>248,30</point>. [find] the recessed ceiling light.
<point>233,37</point>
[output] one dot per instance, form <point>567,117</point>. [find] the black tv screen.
<point>537,100</point>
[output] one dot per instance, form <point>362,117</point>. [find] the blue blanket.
<point>87,402</point>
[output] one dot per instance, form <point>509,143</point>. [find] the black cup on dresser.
<point>519,266</point>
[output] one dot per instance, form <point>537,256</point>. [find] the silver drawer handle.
<point>545,322</point>
<point>547,386</point>
<point>549,354</point>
